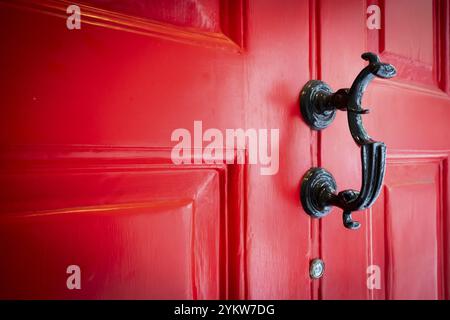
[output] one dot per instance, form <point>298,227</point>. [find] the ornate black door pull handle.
<point>318,105</point>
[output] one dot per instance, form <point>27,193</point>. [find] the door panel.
<point>126,80</point>
<point>412,230</point>
<point>407,228</point>
<point>203,14</point>
<point>403,234</point>
<point>86,140</point>
<point>137,225</point>
<point>414,40</point>
<point>403,42</point>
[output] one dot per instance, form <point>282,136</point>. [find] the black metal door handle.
<point>318,105</point>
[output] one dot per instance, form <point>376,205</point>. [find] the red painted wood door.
<point>91,175</point>
<point>404,236</point>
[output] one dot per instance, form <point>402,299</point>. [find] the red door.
<point>404,235</point>
<point>157,151</point>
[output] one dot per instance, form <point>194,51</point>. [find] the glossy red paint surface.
<point>87,177</point>
<point>405,234</point>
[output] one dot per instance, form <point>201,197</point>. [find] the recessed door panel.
<point>137,226</point>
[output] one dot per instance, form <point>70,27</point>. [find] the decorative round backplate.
<point>309,102</point>
<point>313,183</point>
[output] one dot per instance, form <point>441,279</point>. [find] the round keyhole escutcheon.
<point>316,269</point>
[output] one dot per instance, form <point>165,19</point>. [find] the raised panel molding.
<point>414,36</point>
<point>219,24</point>
<point>87,205</point>
<point>403,224</point>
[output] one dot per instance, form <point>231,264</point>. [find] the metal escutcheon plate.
<point>316,268</point>
<point>313,183</point>
<point>316,119</point>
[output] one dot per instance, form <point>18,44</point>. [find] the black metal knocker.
<point>318,105</point>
